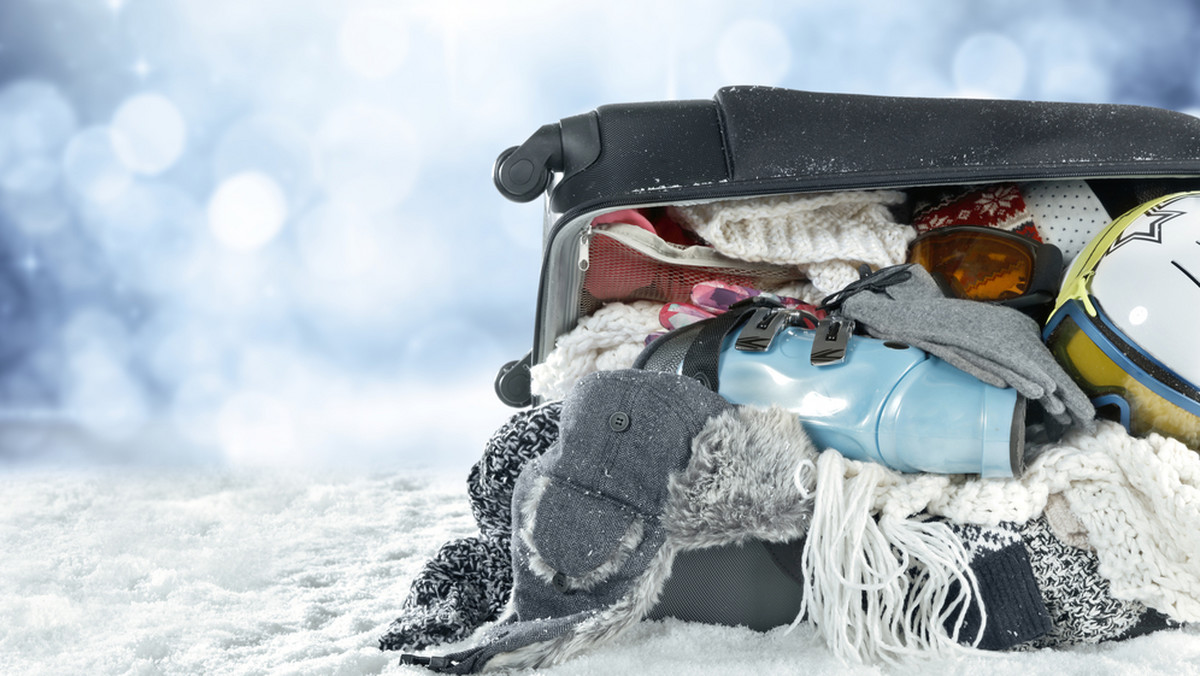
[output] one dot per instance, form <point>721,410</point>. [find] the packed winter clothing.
<point>752,474</point>
<point>585,506</point>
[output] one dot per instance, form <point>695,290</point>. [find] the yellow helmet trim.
<point>1075,284</point>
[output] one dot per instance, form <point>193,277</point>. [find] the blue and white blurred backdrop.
<point>263,232</point>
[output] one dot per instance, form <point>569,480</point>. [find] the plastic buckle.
<point>829,343</point>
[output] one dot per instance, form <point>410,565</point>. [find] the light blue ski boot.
<point>869,399</point>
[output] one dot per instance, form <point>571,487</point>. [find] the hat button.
<point>560,582</point>
<point>619,421</point>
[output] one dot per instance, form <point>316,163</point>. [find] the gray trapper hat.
<point>598,520</point>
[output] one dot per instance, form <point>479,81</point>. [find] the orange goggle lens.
<point>978,263</point>
<point>1110,386</point>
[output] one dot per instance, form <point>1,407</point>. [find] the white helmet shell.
<point>1147,283</point>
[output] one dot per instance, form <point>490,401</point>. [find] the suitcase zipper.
<point>713,192</point>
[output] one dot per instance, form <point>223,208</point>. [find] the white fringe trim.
<point>880,590</point>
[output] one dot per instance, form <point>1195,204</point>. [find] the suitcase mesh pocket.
<point>619,270</point>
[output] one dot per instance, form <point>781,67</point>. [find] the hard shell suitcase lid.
<point>758,140</point>
<point>750,141</point>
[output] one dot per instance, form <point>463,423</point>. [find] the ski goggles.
<point>987,264</point>
<point>1124,383</point>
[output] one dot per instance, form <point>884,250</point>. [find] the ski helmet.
<point>1127,316</point>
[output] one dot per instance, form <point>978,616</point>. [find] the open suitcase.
<point>751,141</point>
<point>758,141</point>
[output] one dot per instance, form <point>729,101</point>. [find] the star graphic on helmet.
<point>1153,232</point>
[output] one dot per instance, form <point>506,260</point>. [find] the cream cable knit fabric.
<point>827,235</point>
<point>610,339</point>
<point>1138,499</point>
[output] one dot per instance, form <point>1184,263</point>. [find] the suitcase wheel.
<point>513,383</point>
<point>520,180</point>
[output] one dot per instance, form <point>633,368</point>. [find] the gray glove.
<point>999,345</point>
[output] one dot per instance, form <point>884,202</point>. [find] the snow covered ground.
<point>186,571</point>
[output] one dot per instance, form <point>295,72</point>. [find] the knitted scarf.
<point>1139,500</point>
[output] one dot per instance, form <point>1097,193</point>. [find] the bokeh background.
<point>263,232</point>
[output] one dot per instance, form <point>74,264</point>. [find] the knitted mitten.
<point>469,581</point>
<point>1007,589</point>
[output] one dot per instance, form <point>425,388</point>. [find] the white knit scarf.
<point>1138,498</point>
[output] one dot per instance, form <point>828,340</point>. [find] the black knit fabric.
<point>1078,598</point>
<point>1040,592</point>
<point>1007,589</point>
<point>461,588</point>
<point>525,436</point>
<point>469,581</point>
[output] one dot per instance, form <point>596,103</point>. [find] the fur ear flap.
<point>744,481</point>
<point>547,570</point>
